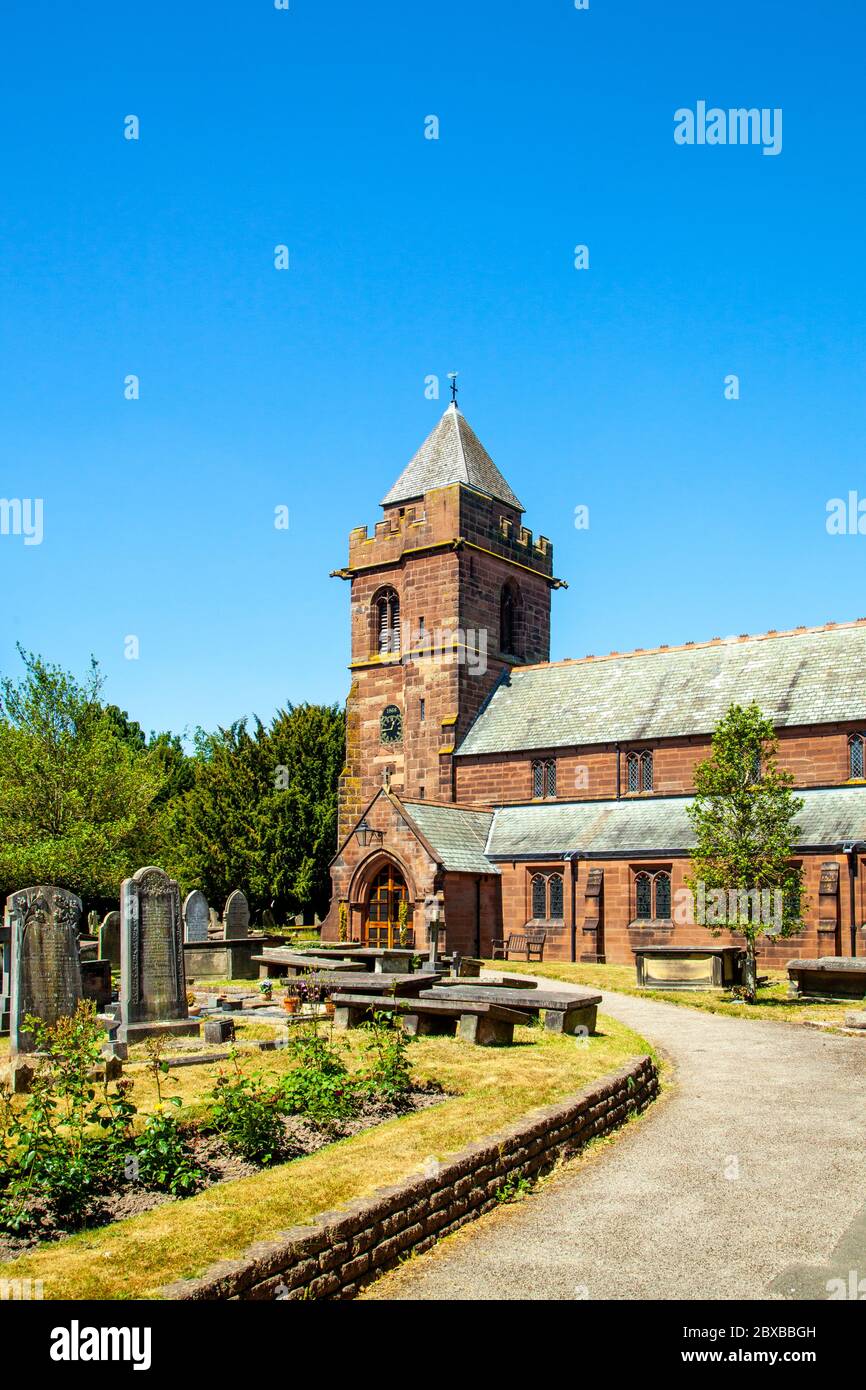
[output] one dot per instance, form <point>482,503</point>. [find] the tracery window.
<point>387,611</point>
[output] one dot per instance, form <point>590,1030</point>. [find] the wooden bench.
<point>528,944</point>
<point>482,1023</point>
<point>575,1012</point>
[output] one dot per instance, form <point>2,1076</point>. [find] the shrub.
<point>388,1074</point>
<point>248,1115</point>
<point>320,1086</point>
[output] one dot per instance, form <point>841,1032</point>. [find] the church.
<point>552,796</point>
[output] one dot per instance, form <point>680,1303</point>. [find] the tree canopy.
<point>86,797</point>
<point>744,816</point>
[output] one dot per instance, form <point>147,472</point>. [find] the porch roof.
<point>457,835</point>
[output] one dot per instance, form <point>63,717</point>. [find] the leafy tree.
<point>78,795</point>
<point>744,817</point>
<point>262,811</point>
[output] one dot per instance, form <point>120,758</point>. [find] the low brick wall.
<point>344,1249</point>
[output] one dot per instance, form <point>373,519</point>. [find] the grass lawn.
<point>491,1086</point>
<point>772,1003</point>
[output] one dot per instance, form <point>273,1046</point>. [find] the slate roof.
<point>655,824</point>
<point>451,453</point>
<point>812,676</point>
<point>457,835</point>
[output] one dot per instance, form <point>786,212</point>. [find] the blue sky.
<point>410,257</point>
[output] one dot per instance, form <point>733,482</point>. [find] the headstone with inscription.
<point>153,984</point>
<point>196,916</point>
<point>44,968</point>
<point>236,916</point>
<point>109,938</point>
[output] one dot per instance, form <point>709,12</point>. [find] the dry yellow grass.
<point>773,1002</point>
<point>134,1258</point>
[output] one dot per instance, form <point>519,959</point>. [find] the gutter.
<point>849,848</point>
<point>572,858</point>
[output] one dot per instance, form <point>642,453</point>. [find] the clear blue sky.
<point>409,257</point>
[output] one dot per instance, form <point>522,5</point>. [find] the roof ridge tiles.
<point>732,641</point>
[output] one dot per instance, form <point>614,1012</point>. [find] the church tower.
<point>449,591</point>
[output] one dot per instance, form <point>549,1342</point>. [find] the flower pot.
<point>290,1004</point>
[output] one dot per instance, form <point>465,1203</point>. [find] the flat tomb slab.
<point>371,983</point>
<point>509,982</point>
<point>688,967</point>
<point>484,1024</point>
<point>288,961</point>
<point>834,977</point>
<point>576,1012</point>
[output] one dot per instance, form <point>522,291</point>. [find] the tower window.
<point>422,707</point>
<point>509,599</point>
<point>855,756</point>
<point>387,613</point>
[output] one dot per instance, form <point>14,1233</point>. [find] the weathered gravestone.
<point>153,985</point>
<point>214,926</point>
<point>45,973</point>
<point>196,916</point>
<point>109,938</point>
<point>236,916</point>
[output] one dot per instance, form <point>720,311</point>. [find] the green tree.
<point>262,811</point>
<point>744,817</point>
<point>78,797</point>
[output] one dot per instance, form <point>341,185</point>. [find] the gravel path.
<point>746,1180</point>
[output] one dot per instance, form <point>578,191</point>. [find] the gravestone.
<point>92,923</point>
<point>153,984</point>
<point>45,973</point>
<point>214,926</point>
<point>236,916</point>
<point>109,938</point>
<point>196,916</point>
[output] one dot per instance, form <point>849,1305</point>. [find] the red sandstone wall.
<point>815,756</point>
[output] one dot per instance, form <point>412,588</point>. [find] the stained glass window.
<point>632,763</point>
<point>663,895</point>
<point>539,898</point>
<point>646,772</point>
<point>555,888</point>
<point>643,897</point>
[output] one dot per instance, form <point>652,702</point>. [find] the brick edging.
<point>341,1250</point>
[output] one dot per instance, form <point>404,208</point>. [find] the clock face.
<point>391,725</point>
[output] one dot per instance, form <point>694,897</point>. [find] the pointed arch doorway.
<point>382,923</point>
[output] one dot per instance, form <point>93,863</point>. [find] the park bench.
<point>528,944</point>
<point>575,1012</point>
<point>482,1023</point>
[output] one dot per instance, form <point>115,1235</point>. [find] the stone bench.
<point>827,977</point>
<point>575,1012</point>
<point>482,1023</point>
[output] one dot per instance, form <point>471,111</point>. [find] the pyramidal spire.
<point>451,453</point>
